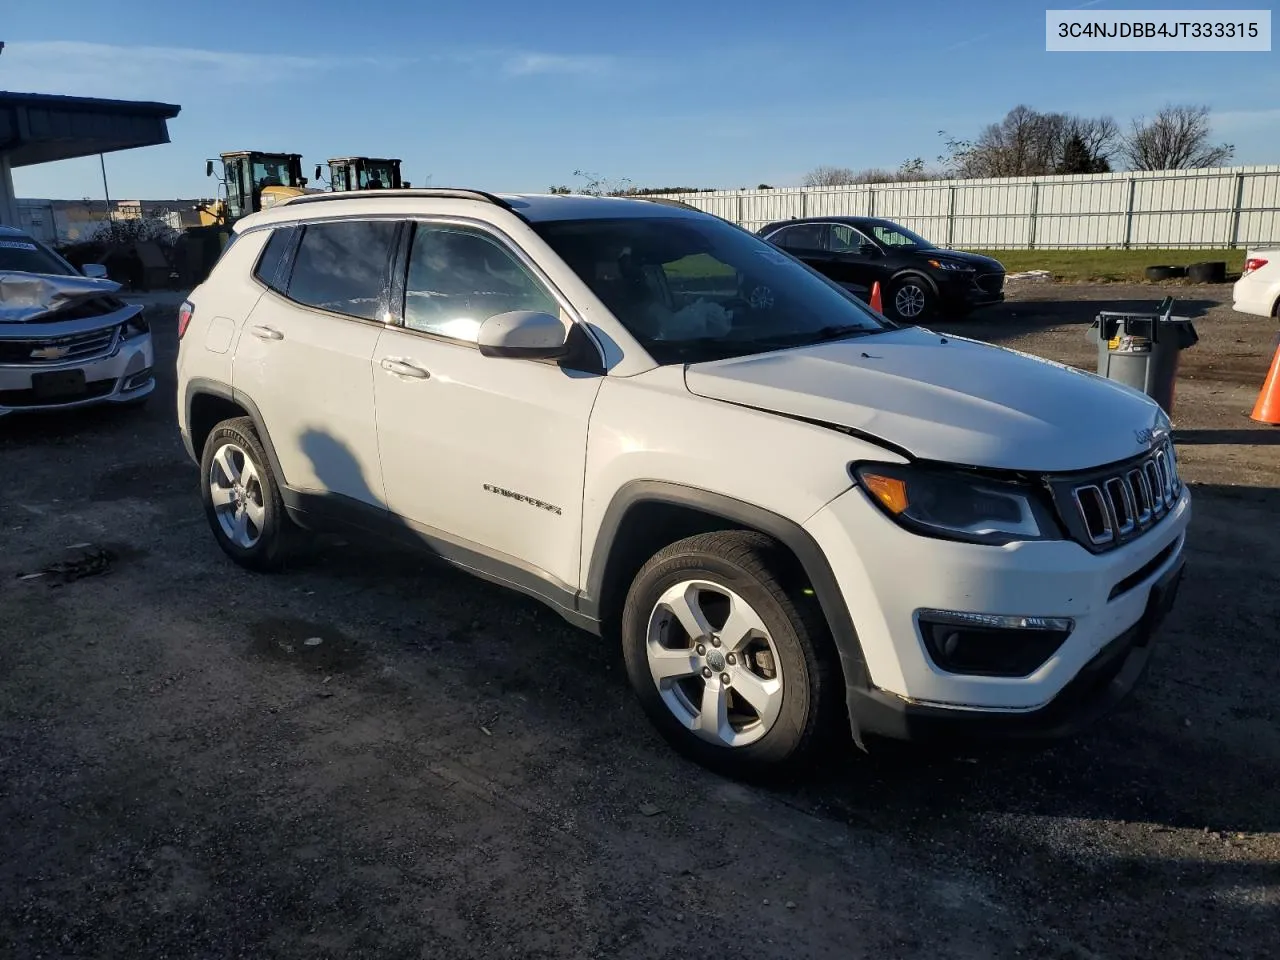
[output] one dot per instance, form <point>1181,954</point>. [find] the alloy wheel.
<point>909,301</point>
<point>714,663</point>
<point>235,490</point>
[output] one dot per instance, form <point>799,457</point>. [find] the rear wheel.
<point>730,659</point>
<point>242,499</point>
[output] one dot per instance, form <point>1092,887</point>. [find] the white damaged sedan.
<point>66,339</point>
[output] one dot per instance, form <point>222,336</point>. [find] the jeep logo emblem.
<point>1146,436</point>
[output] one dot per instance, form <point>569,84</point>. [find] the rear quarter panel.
<point>222,303</point>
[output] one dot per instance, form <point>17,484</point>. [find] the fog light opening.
<point>991,645</point>
<point>139,379</point>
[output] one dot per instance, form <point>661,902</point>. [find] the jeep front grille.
<point>1115,506</point>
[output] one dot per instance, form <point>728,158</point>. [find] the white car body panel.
<point>1258,292</point>
<point>649,428</point>
<point>519,492</point>
<point>315,386</point>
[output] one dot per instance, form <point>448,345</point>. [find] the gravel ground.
<point>454,772</point>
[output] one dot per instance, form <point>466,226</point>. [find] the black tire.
<point>1210,271</point>
<point>765,575</point>
<point>279,537</point>
<point>1165,273</point>
<point>924,292</point>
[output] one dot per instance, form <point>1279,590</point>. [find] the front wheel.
<point>912,300</point>
<point>730,658</point>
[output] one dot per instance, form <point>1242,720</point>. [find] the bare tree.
<point>830,177</point>
<point>1027,143</point>
<point>1087,145</point>
<point>598,186</point>
<point>1177,138</point>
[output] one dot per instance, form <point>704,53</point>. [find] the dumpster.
<point>1141,350</point>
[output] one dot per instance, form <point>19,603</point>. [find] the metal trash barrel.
<point>1141,350</point>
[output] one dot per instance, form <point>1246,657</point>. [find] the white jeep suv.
<point>785,507</point>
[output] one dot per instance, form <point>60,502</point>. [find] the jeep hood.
<point>944,398</point>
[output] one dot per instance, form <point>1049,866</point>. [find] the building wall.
<point>1209,208</point>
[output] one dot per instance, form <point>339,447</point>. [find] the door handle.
<point>402,369</point>
<point>266,333</point>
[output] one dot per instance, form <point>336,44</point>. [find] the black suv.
<point>918,280</point>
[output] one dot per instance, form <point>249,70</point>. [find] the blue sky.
<point>506,95</point>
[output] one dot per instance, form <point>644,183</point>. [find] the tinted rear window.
<point>343,266</point>
<point>268,269</point>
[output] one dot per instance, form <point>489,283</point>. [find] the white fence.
<point>1208,208</point>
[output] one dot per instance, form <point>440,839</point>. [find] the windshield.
<point>375,175</point>
<point>25,255</point>
<point>702,289</point>
<point>271,172</point>
<point>898,238</point>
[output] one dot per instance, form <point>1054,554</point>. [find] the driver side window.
<point>459,278</point>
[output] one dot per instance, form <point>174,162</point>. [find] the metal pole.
<point>1235,216</point>
<point>951,216</point>
<point>105,191</point>
<point>1035,205</point>
<point>1128,215</point>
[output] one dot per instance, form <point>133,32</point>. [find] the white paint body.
<point>1258,292</point>
<point>425,449</point>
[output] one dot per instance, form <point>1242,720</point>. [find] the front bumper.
<point>886,574</point>
<point>970,290</point>
<point>1100,686</point>
<point>123,376</point>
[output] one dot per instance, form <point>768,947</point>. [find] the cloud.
<point>101,69</point>
<point>1233,121</point>
<point>526,64</point>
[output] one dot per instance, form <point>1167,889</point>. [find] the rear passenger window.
<point>459,278</point>
<point>343,266</point>
<point>268,268</point>
<point>805,236</point>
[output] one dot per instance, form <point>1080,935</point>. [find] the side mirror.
<point>208,168</point>
<point>406,184</point>
<point>94,271</point>
<point>523,333</point>
<point>317,171</point>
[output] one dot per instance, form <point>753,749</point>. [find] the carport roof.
<point>40,127</point>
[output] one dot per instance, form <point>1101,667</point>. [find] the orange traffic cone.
<point>875,298</point>
<point>1267,410</point>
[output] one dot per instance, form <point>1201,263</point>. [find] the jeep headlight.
<point>956,505</point>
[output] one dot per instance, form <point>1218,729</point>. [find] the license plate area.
<point>1164,592</point>
<point>58,384</point>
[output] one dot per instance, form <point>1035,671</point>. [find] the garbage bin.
<point>1141,350</point>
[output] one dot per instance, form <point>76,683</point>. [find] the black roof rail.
<point>448,193</point>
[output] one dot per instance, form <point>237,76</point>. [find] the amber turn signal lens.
<point>890,491</point>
